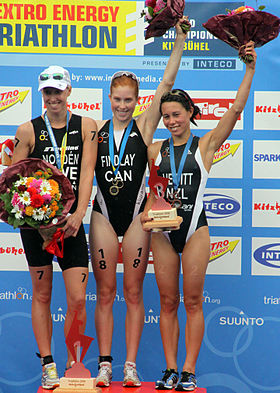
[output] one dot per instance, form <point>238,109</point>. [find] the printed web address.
<point>107,78</point>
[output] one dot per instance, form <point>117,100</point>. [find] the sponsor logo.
<point>208,299</point>
<point>219,206</point>
<point>272,300</point>
<point>12,250</point>
<point>206,64</point>
<point>268,109</point>
<point>18,294</point>
<point>151,318</point>
<point>143,103</point>
<point>218,249</point>
<point>267,207</point>
<point>11,97</point>
<point>59,316</point>
<point>91,297</point>
<point>266,157</point>
<point>241,320</point>
<point>225,150</point>
<point>84,106</point>
<point>119,298</point>
<point>213,108</point>
<point>268,255</point>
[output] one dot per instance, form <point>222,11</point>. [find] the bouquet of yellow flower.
<point>162,15</point>
<point>242,25</point>
<point>35,194</point>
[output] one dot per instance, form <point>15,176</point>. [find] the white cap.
<point>54,76</point>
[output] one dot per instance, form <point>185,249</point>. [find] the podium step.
<point>116,387</point>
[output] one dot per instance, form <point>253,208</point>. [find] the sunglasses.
<point>45,77</point>
<point>125,73</point>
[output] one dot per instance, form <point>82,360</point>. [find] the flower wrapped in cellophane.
<point>35,194</point>
<point>242,25</point>
<point>162,15</point>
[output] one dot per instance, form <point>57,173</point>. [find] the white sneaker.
<point>130,375</point>
<point>50,378</point>
<point>104,377</point>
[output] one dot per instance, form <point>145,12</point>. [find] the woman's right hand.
<point>145,218</point>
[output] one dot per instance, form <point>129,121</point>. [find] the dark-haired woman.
<point>186,160</point>
<point>119,202</point>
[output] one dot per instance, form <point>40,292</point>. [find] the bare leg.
<point>104,246</point>
<point>136,247</point>
<point>41,314</point>
<point>195,259</point>
<point>75,280</point>
<point>167,267</point>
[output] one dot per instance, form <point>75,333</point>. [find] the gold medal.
<point>116,186</point>
<point>114,190</point>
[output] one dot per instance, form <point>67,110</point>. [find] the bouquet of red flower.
<point>35,194</point>
<point>242,25</point>
<point>162,15</point>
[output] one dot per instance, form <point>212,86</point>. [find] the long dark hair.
<point>184,99</point>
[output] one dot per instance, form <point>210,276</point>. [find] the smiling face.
<point>123,102</point>
<point>55,100</point>
<point>176,118</point>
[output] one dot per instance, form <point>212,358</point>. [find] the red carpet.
<point>116,387</point>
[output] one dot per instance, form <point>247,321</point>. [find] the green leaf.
<point>185,28</point>
<point>5,198</point>
<point>228,10</point>
<point>151,11</point>
<point>30,221</point>
<point>18,222</point>
<point>11,220</point>
<point>261,7</point>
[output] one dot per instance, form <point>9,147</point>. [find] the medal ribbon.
<point>59,158</point>
<point>123,144</point>
<point>177,176</point>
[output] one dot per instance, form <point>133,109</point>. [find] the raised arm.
<point>148,121</point>
<point>213,140</point>
<point>23,142</point>
<point>153,151</point>
<point>89,132</point>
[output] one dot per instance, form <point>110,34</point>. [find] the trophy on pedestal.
<point>163,214</point>
<point>77,378</point>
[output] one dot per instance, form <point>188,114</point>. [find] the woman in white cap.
<point>44,137</point>
<point>121,195</point>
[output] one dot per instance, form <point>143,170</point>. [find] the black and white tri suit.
<point>190,190</point>
<point>75,248</point>
<point>122,208</point>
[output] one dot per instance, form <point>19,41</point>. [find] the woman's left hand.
<point>183,26</point>
<point>250,51</point>
<point>72,225</point>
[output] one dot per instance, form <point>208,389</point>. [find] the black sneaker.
<point>168,381</point>
<point>187,382</point>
